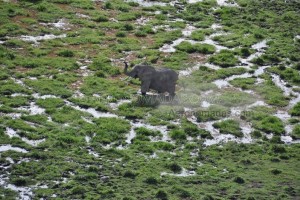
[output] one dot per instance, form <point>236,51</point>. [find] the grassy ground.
<point>66,103</point>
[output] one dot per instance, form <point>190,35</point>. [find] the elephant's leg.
<point>145,87</point>
<point>171,91</point>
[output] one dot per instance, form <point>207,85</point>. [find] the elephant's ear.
<point>146,72</point>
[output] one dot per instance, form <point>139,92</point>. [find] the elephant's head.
<point>139,71</point>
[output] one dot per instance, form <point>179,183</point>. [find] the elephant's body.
<point>162,80</point>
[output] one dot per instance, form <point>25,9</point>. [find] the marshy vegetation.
<point>72,126</point>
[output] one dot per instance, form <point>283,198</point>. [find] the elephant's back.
<point>168,73</point>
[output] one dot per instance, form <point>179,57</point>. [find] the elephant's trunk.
<point>126,68</point>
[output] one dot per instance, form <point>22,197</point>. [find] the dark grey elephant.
<point>161,80</point>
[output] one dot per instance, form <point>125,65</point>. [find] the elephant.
<point>162,80</point>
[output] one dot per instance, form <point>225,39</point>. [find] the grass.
<point>266,123</point>
<point>8,193</point>
<point>224,59</point>
<point>233,98</point>
<point>128,16</point>
<point>268,90</point>
<point>161,38</point>
<point>177,61</point>
<point>15,102</point>
<point>105,87</point>
<point>50,103</point>
<point>147,132</point>
<point>110,130</point>
<point>38,119</point>
<point>178,134</point>
<point>290,75</point>
<point>102,65</point>
<point>10,87</point>
<point>244,83</point>
<point>272,94</point>
<point>209,75</point>
<point>213,112</point>
<point>66,53</point>
<point>229,127</point>
<point>295,110</point>
<point>66,114</point>
<point>237,39</point>
<point>92,102</point>
<point>167,112</point>
<point>132,110</point>
<point>192,130</point>
<point>201,80</point>
<point>196,13</point>
<point>46,86</point>
<point>197,48</point>
<point>296,132</point>
<point>198,35</point>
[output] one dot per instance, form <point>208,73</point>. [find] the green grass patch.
<point>234,98</point>
<point>229,126</point>
<point>113,125</point>
<point>177,60</point>
<point>160,38</point>
<point>244,83</point>
<point>93,102</point>
<point>178,134</point>
<point>147,132</point>
<point>66,53</point>
<point>50,103</point>
<point>198,35</point>
<point>224,58</point>
<point>55,63</point>
<point>291,75</point>
<point>19,124</point>
<point>103,67</point>
<point>10,87</point>
<point>128,16</point>
<point>271,93</point>
<point>46,86</point>
<point>214,112</point>
<point>295,110</point>
<point>133,111</point>
<point>110,130</point>
<point>166,112</point>
<point>265,122</point>
<point>8,193</point>
<point>105,87</point>
<point>236,39</point>
<point>196,48</point>
<point>192,130</point>
<point>66,114</point>
<point>296,132</point>
<point>15,102</point>
<point>38,119</point>
<point>201,79</point>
